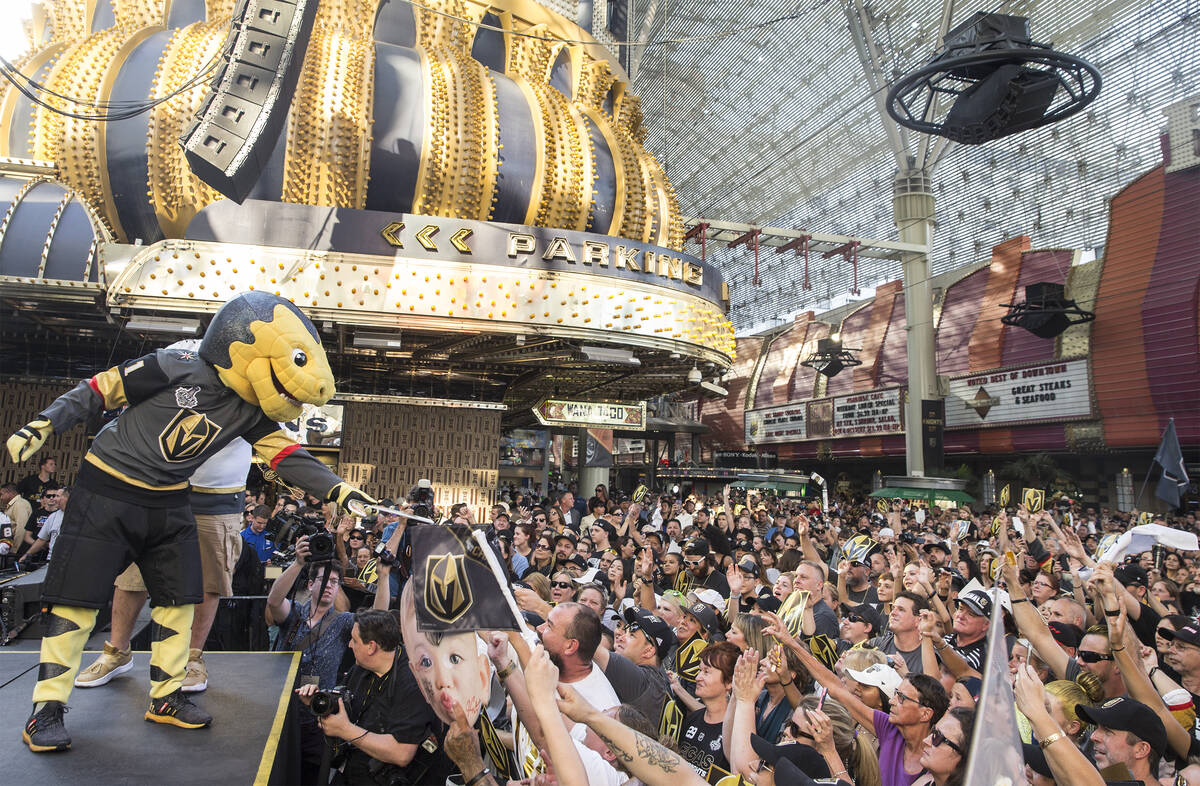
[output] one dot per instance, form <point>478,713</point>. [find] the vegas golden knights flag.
<point>454,588</point>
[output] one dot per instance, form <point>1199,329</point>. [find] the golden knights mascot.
<point>260,361</point>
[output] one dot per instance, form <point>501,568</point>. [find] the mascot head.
<point>269,353</point>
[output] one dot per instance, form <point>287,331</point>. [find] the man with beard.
<point>696,561</point>
<point>571,634</point>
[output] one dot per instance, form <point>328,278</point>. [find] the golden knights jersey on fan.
<point>185,414</point>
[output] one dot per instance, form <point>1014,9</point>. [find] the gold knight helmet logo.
<point>187,435</point>
<point>447,591</point>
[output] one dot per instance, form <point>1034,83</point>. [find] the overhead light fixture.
<point>694,376</point>
<point>621,357</point>
<point>831,358</point>
<point>174,325</point>
<point>364,340</point>
<point>1000,81</point>
<point>1046,312</point>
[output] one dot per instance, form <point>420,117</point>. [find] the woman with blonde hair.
<point>1062,697</point>
<point>859,762</point>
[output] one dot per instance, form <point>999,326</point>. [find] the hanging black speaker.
<point>231,139</point>
<point>995,81</point>
<point>831,358</point>
<point>1046,311</point>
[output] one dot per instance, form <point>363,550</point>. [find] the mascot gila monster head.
<point>269,353</point>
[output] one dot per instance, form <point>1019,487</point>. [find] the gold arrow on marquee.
<point>459,240</point>
<point>425,237</point>
<point>391,233</point>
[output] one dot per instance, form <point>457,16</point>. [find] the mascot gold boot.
<point>260,360</point>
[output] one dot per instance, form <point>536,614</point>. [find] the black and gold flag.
<point>1005,493</point>
<point>454,588</point>
<point>1034,499</point>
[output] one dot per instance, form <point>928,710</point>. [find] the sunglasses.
<point>539,518</point>
<point>855,618</point>
<point>1088,656</point>
<point>561,584</point>
<point>691,563</point>
<point>937,738</point>
<point>902,697</point>
<point>545,546</point>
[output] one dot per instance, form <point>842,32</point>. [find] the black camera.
<point>908,537</point>
<point>285,528</point>
<point>421,498</point>
<point>385,557</point>
<point>325,702</point>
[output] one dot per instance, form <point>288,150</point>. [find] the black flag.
<point>454,588</point>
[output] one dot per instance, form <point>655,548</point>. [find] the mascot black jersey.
<point>179,413</point>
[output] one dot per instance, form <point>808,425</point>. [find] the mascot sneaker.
<point>111,663</point>
<point>196,679</point>
<point>44,731</point>
<point>177,710</point>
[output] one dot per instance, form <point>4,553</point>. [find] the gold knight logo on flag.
<point>1034,499</point>
<point>454,588</point>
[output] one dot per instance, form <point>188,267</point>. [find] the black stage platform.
<point>248,743</point>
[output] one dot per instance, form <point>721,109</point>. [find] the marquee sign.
<point>591,414</point>
<point>864,414</point>
<point>1050,391</point>
<point>784,423</point>
<point>856,415</point>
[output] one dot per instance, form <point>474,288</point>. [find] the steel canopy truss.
<point>826,255</point>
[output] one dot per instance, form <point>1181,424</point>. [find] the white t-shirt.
<point>600,772</point>
<point>598,691</point>
<point>50,531</point>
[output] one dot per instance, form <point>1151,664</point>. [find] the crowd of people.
<point>683,639</point>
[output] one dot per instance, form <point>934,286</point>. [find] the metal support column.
<point>912,209</point>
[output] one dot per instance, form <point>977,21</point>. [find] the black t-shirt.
<point>1145,625</point>
<point>716,580</point>
<point>31,488</point>
<point>700,743</point>
<point>393,704</point>
<point>868,596</point>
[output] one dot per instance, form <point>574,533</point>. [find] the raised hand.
<point>821,729</point>
<point>747,681</point>
<point>541,677</point>
<point>29,439</point>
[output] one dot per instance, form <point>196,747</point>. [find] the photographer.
<point>319,632</point>
<point>388,734</point>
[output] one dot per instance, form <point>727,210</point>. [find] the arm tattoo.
<point>656,754</point>
<point>615,748</point>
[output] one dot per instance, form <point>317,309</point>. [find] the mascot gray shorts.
<point>101,536</point>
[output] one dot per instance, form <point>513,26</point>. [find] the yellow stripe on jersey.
<point>91,458</point>
<point>110,387</point>
<point>274,447</point>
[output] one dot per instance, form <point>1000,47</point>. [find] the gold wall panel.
<point>387,448</point>
<point>19,403</point>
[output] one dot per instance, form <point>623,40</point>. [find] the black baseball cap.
<point>705,616</point>
<point>1065,633</point>
<point>566,534</point>
<point>655,629</point>
<point>748,565</point>
<point>767,603</point>
<point>1132,574</point>
<point>978,601</point>
<point>804,757</point>
<point>868,613</point>
<point>1036,759</point>
<point>1188,634</point>
<point>1124,714</point>
<point>696,547</point>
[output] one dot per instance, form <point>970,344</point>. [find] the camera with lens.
<point>325,702</point>
<point>285,528</point>
<point>385,557</point>
<point>908,537</point>
<point>421,498</point>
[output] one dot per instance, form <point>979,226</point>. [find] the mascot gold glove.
<point>351,498</point>
<point>29,439</point>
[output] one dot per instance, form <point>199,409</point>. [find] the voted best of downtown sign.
<point>1003,397</point>
<point>591,414</point>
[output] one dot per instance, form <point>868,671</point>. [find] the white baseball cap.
<point>710,597</point>
<point>887,532</point>
<point>878,675</point>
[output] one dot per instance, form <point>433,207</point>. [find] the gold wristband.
<point>1053,738</point>
<point>506,672</point>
